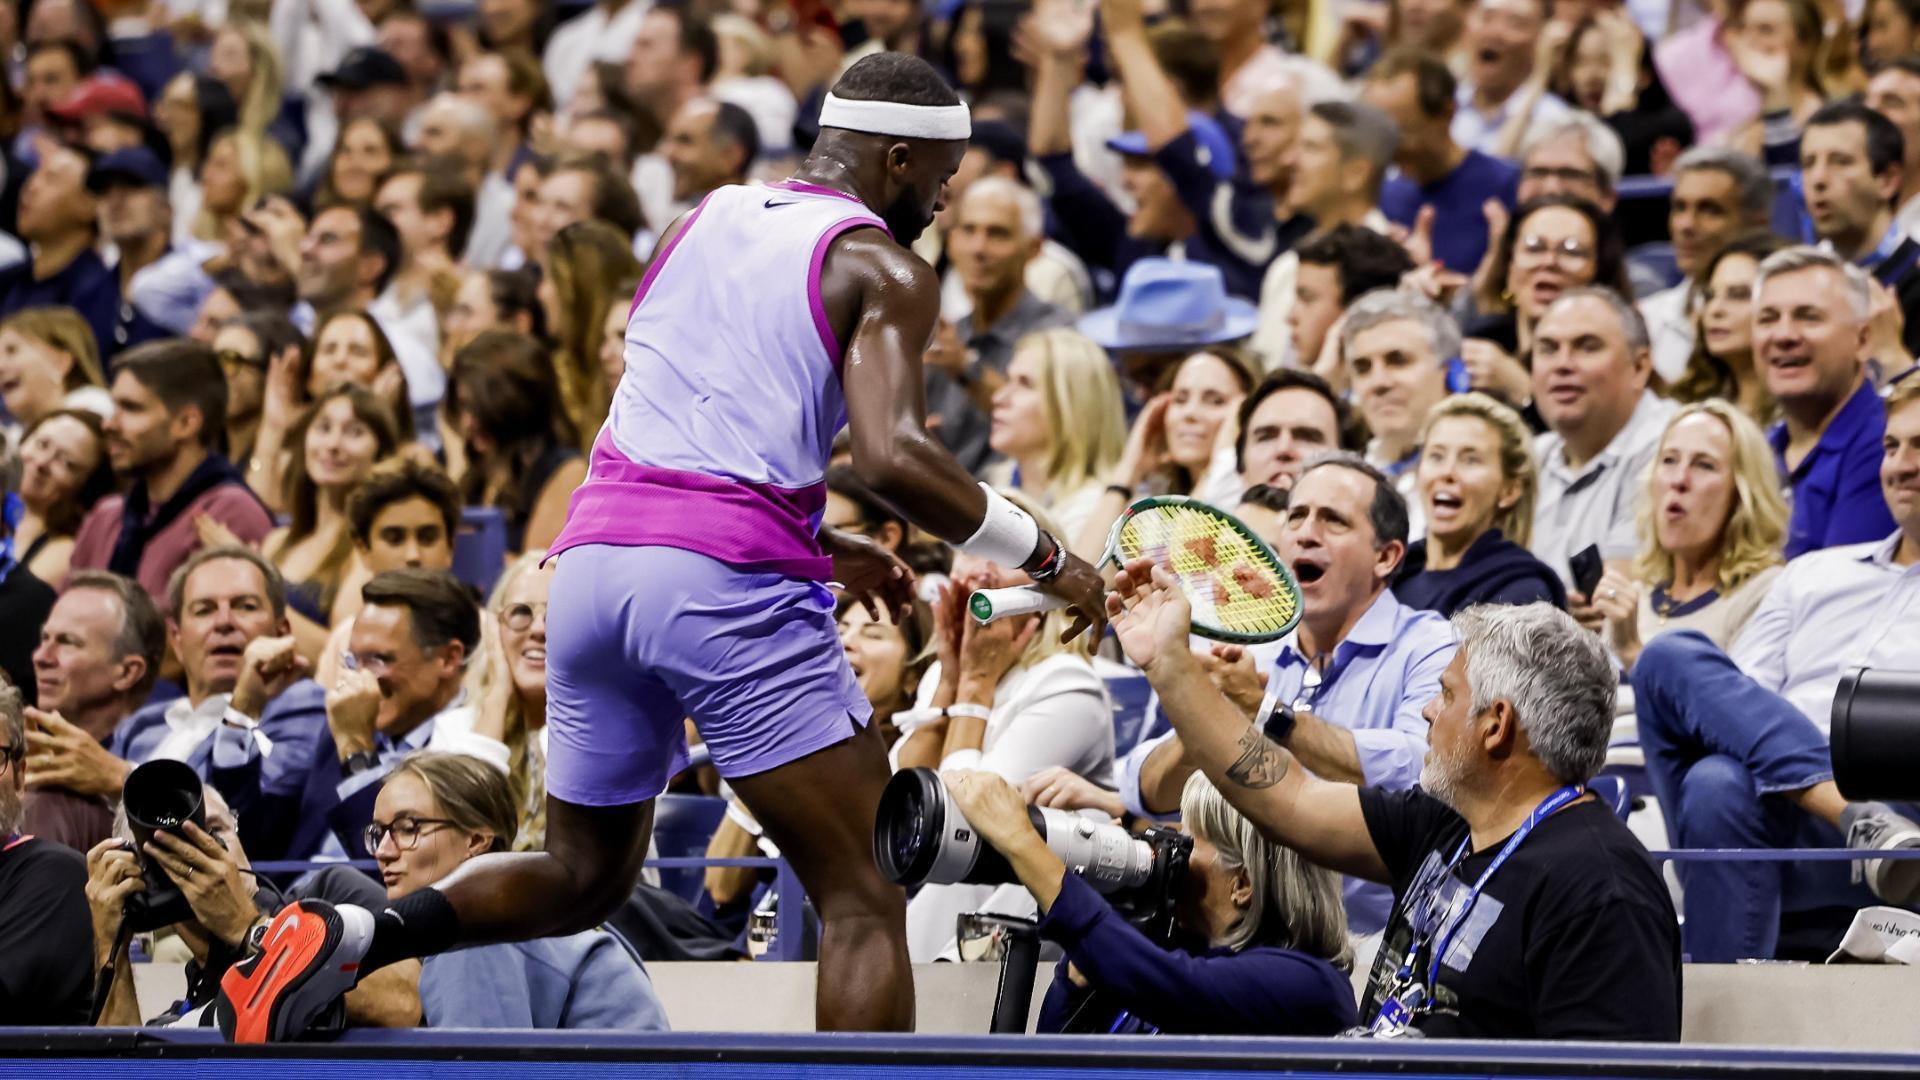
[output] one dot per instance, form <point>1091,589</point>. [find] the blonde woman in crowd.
<point>241,168</point>
<point>1477,481</point>
<point>1712,525</point>
<point>512,688</point>
<point>1058,421</point>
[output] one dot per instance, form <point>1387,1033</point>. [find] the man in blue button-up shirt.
<point>1811,338</point>
<point>1348,685</point>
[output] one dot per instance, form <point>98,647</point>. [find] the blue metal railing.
<point>790,927</point>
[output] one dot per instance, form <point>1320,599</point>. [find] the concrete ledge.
<point>1851,1007</point>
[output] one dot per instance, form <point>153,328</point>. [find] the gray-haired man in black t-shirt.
<point>1523,908</point>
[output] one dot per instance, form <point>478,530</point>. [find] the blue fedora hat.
<point>1167,304</point>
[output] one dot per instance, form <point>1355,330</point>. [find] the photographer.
<point>227,901</point>
<point>1273,931</point>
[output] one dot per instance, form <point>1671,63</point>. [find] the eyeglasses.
<point>1543,173</point>
<point>374,665</point>
<point>406,832</point>
<point>520,616</point>
<point>1570,253</point>
<point>234,358</point>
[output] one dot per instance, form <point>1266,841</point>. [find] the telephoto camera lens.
<point>920,838</point>
<point>160,796</point>
<point>1875,734</point>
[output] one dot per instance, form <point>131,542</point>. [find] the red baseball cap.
<point>100,94</point>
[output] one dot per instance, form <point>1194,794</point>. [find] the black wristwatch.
<point>358,762</point>
<point>1051,564</point>
<point>1279,721</point>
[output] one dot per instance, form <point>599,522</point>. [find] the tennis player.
<point>692,571</point>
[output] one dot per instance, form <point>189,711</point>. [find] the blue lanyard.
<point>1888,243</point>
<point>1540,813</point>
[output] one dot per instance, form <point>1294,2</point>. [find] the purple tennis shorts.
<point>639,638</point>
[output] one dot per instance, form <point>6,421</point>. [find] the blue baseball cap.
<point>1216,149</point>
<point>135,164</point>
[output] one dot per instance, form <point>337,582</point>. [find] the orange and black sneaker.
<point>309,955</point>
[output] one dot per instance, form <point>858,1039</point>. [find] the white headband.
<point>946,122</point>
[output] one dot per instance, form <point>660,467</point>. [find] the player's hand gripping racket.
<point>1239,589</point>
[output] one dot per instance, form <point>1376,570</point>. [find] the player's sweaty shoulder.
<point>866,270</point>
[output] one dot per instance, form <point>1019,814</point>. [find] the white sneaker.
<point>1878,828</point>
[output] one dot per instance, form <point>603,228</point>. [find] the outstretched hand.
<point>1150,615</point>
<point>869,573</point>
<point>1079,584</point>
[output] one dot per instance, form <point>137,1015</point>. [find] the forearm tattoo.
<point>1261,763</point>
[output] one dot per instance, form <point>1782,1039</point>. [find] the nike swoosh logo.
<point>291,922</point>
<point>771,203</point>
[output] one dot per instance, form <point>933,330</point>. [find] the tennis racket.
<point>1239,589</point>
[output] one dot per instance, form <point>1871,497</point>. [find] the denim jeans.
<point>1720,748</point>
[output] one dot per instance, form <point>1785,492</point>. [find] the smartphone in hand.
<point>1587,568</point>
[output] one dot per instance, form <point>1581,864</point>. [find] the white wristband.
<point>961,759</point>
<point>1007,535</point>
<point>970,712</point>
<point>908,721</point>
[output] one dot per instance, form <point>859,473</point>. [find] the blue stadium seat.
<point>1132,718</point>
<point>682,826</point>
<point>480,548</point>
<point>1612,790</point>
<point>1657,256</point>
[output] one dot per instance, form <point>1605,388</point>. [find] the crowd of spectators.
<point>310,315</point>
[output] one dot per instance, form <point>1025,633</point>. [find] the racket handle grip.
<point>990,604</point>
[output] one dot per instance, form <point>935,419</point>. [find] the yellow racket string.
<point>1231,582</point>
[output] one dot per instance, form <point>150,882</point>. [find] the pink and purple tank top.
<point>719,433</point>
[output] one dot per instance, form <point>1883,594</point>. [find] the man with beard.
<point>691,568</point>
<point>1346,687</point>
<point>1523,907</point>
<point>169,412</point>
<point>46,938</point>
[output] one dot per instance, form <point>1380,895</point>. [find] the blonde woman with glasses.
<point>1712,526</point>
<point>512,688</point>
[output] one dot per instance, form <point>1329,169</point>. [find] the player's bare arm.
<point>885,303</point>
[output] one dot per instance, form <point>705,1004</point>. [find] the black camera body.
<point>1149,906</point>
<point>160,796</point>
